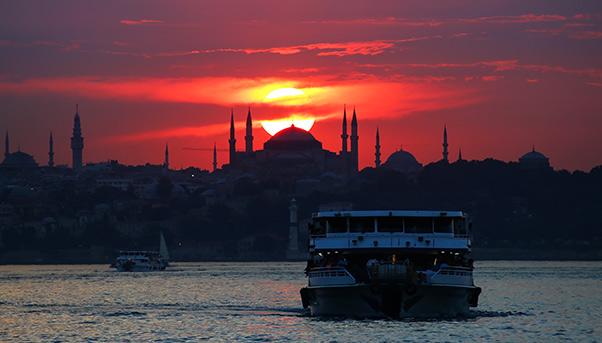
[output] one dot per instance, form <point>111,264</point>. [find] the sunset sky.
<point>502,75</point>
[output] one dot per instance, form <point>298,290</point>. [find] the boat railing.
<point>330,276</point>
<point>451,275</point>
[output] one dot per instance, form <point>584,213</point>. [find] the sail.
<point>163,247</point>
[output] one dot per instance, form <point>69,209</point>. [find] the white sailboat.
<point>163,253</point>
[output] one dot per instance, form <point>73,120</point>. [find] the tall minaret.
<point>354,143</point>
<point>50,151</point>
<point>249,134</point>
<point>344,135</point>
<point>6,145</point>
<point>377,150</point>
<point>77,142</point>
<point>232,140</point>
<point>445,153</point>
<point>166,158</point>
<point>214,157</point>
<point>293,230</point>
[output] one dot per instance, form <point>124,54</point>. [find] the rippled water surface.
<point>521,302</point>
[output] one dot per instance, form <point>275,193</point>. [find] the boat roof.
<point>138,252</point>
<point>389,213</point>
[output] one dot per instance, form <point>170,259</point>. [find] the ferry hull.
<point>394,301</point>
<point>137,267</point>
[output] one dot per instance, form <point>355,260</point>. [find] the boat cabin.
<point>433,230</point>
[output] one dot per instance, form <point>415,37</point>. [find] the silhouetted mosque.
<point>18,161</point>
<point>534,160</point>
<point>295,151</point>
<point>290,151</point>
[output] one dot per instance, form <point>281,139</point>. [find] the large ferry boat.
<point>143,261</point>
<point>389,264</point>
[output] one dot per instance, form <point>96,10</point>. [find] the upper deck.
<point>389,229</point>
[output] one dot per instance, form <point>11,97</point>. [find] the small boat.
<point>143,261</point>
<point>392,264</point>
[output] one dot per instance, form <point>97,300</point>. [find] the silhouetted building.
<point>214,157</point>
<point>249,134</point>
<point>344,136</point>
<point>293,151</point>
<point>50,151</point>
<point>19,161</point>
<point>377,150</point>
<point>534,160</point>
<point>232,140</point>
<point>460,159</point>
<point>354,144</point>
<point>445,152</point>
<point>166,158</point>
<point>77,142</point>
<point>6,145</point>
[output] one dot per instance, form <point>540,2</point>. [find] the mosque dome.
<point>534,160</point>
<point>19,160</point>
<point>292,138</point>
<point>533,155</point>
<point>403,161</point>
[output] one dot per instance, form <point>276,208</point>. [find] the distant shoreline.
<point>479,254</point>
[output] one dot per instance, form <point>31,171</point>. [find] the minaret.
<point>460,155</point>
<point>249,134</point>
<point>77,142</point>
<point>214,157</point>
<point>344,135</point>
<point>377,150</point>
<point>6,145</point>
<point>354,143</point>
<point>50,151</point>
<point>445,153</point>
<point>293,230</point>
<point>166,158</point>
<point>232,140</point>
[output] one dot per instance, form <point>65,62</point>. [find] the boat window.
<point>418,225</point>
<point>390,224</point>
<point>337,225</point>
<point>318,227</point>
<point>460,226</point>
<point>361,224</point>
<point>443,225</point>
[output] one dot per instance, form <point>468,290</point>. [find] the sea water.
<point>520,302</point>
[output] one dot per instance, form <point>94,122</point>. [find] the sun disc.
<point>284,92</point>
<point>276,125</point>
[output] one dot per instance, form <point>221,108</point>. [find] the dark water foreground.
<point>521,301</point>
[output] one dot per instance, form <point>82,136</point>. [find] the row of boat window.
<point>327,274</point>
<point>451,272</point>
<point>388,224</point>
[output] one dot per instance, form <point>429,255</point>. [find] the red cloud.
<point>431,22</point>
<point>376,98</point>
<point>340,49</point>
<point>140,21</point>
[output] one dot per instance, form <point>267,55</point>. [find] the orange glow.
<point>275,125</point>
<point>284,92</point>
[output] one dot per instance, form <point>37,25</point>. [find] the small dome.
<point>534,160</point>
<point>292,138</point>
<point>403,161</point>
<point>19,160</point>
<point>533,155</point>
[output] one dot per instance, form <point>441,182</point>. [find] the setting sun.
<point>284,92</point>
<point>275,125</point>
